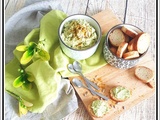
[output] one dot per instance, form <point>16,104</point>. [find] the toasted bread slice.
<point>113,50</point>
<point>92,112</point>
<point>127,39</point>
<point>121,49</point>
<point>144,74</point>
<point>131,55</point>
<point>129,31</point>
<point>112,95</point>
<point>116,37</point>
<point>142,43</point>
<point>131,45</point>
<point>151,84</point>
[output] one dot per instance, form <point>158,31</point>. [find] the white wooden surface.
<point>140,13</point>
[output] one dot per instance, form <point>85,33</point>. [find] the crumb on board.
<point>85,94</point>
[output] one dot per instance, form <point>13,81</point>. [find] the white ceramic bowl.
<point>78,54</point>
<point>112,59</point>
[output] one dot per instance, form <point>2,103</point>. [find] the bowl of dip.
<point>79,36</point>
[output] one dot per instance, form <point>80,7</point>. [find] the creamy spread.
<point>79,34</point>
<point>121,92</point>
<point>99,107</point>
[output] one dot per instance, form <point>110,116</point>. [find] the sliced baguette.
<point>121,49</point>
<point>151,84</point>
<point>131,55</point>
<point>113,50</point>
<point>116,37</point>
<point>118,99</point>
<point>91,111</point>
<point>131,45</point>
<point>144,74</point>
<point>142,43</point>
<point>129,31</point>
<point>126,38</point>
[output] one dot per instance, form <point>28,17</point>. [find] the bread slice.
<point>116,37</point>
<point>129,31</point>
<point>121,49</point>
<point>131,55</point>
<point>144,74</point>
<point>92,112</point>
<point>142,43</point>
<point>151,84</point>
<point>113,50</point>
<point>126,38</point>
<point>112,95</point>
<point>131,45</point>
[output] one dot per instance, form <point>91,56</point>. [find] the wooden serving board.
<point>109,76</point>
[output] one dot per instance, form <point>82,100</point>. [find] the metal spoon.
<point>78,83</point>
<point>77,67</point>
<point>71,69</point>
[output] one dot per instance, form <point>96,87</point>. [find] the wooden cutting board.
<point>109,76</point>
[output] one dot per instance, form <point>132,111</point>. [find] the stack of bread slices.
<point>127,43</point>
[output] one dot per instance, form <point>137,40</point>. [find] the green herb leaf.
<point>44,55</point>
<point>21,48</point>
<point>26,103</point>
<point>32,45</point>
<point>18,82</point>
<point>27,57</point>
<point>30,77</point>
<point>27,86</point>
<point>22,110</point>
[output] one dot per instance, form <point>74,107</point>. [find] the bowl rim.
<point>107,44</point>
<point>98,40</point>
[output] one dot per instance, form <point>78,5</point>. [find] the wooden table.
<point>139,13</point>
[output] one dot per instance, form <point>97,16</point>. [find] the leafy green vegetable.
<point>27,57</point>
<point>30,50</point>
<point>44,55</point>
<point>21,48</point>
<point>18,82</point>
<point>27,85</point>
<point>30,77</point>
<point>24,105</point>
<point>23,81</point>
<point>22,109</point>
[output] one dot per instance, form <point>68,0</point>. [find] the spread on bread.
<point>99,107</point>
<point>120,93</point>
<point>128,43</point>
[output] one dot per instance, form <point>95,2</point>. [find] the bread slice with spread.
<point>120,93</point>
<point>98,108</point>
